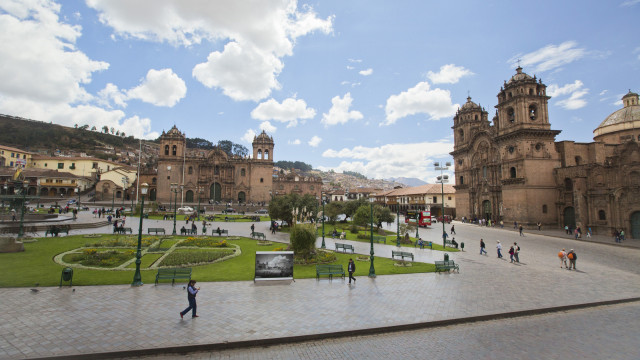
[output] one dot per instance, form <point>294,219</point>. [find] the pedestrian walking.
<point>566,229</point>
<point>572,259</point>
<point>520,228</point>
<point>516,252</point>
<point>482,246</point>
<point>515,224</point>
<point>453,230</point>
<point>575,233</point>
<point>511,252</point>
<point>192,291</point>
<point>621,235</point>
<point>253,227</point>
<point>563,258</point>
<point>588,233</point>
<point>539,225</point>
<point>499,248</point>
<point>351,268</point>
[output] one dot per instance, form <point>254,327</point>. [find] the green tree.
<point>362,217</point>
<point>332,211</point>
<point>293,207</point>
<point>303,239</point>
<point>239,150</point>
<point>383,214</point>
<point>350,207</point>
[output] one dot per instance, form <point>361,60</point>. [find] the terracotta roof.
<point>32,172</point>
<point>9,148</point>
<point>47,157</point>
<point>423,189</point>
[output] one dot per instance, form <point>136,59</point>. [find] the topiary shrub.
<point>353,229</point>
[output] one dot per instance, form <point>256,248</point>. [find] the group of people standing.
<point>514,251</point>
<point>571,256</point>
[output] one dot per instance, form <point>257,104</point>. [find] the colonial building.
<point>13,157</point>
<point>293,183</point>
<point>424,197</point>
<point>513,169</point>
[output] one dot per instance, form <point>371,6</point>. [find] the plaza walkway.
<point>121,320</point>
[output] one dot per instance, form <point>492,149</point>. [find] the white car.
<point>186,209</point>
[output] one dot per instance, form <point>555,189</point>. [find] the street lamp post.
<point>398,226</point>
<point>323,246</point>
<point>77,189</point>
<point>372,270</point>
<point>125,183</point>
<point>442,179</point>
<point>174,189</point>
<point>137,277</point>
<point>113,199</point>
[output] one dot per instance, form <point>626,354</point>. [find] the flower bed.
<point>320,257</point>
<point>204,242</point>
<point>122,241</point>
<point>194,257</point>
<point>93,257</point>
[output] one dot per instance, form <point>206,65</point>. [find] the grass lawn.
<point>391,239</point>
<point>36,265</point>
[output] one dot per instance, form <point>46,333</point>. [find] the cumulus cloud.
<point>294,142</point>
<point>160,87</point>
<point>266,126</point>
<point>420,99</point>
<point>248,136</point>
<point>315,141</point>
<point>448,74</point>
<point>411,160</point>
<point>289,111</point>
<point>258,35</point>
<point>111,93</point>
<point>339,112</point>
<point>576,92</point>
<point>366,72</point>
<point>551,56</point>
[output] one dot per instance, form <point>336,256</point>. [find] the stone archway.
<point>215,192</point>
<point>635,225</point>
<point>242,198</point>
<point>486,209</point>
<point>152,195</point>
<point>189,196</point>
<point>569,217</point>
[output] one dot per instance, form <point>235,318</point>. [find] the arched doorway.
<point>44,192</point>
<point>152,195</point>
<point>635,225</point>
<point>189,196</point>
<point>215,192</point>
<point>241,197</point>
<point>569,217</point>
<point>486,209</point>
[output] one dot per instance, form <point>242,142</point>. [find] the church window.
<point>435,199</point>
<point>216,170</point>
<point>544,208</point>
<point>266,154</point>
<point>568,184</point>
<point>261,180</point>
<point>512,172</point>
<point>259,154</point>
<point>166,149</point>
<point>243,172</point>
<point>533,112</point>
<point>461,134</point>
<point>461,180</point>
<point>154,181</point>
<point>538,146</point>
<point>511,149</point>
<point>190,170</point>
<point>476,117</point>
<point>578,160</point>
<point>484,172</point>
<point>602,215</point>
<point>174,150</point>
<point>510,95</point>
<point>511,115</point>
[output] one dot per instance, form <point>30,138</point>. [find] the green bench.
<point>122,230</point>
<point>446,265</point>
<point>173,274</point>
<point>378,239</point>
<point>329,270</point>
<point>155,230</point>
<point>219,233</point>
<point>402,254</point>
<point>344,247</point>
<point>449,243</point>
<point>258,235</point>
<point>55,231</point>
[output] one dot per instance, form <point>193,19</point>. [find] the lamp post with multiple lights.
<point>442,179</point>
<point>137,277</point>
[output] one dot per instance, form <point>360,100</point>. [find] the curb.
<point>187,349</point>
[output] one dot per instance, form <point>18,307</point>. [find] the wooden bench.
<point>122,230</point>
<point>155,230</point>
<point>377,239</point>
<point>446,265</point>
<point>402,254</point>
<point>222,231</point>
<point>329,270</point>
<point>258,235</point>
<point>173,274</point>
<point>344,247</point>
<point>55,231</point>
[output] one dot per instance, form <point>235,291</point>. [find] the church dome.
<point>263,138</point>
<point>470,105</point>
<point>621,121</point>
<point>519,76</point>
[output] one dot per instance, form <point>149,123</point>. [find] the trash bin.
<point>446,257</point>
<point>67,275</point>
<point>462,246</point>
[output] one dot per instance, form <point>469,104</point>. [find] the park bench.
<point>55,230</point>
<point>258,235</point>
<point>219,233</point>
<point>344,247</point>
<point>378,239</point>
<point>424,243</point>
<point>450,244</point>
<point>155,230</point>
<point>446,265</point>
<point>402,254</point>
<point>173,274</point>
<point>122,230</point>
<point>329,270</point>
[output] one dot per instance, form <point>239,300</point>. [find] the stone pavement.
<point>102,319</point>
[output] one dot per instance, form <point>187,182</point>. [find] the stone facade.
<point>513,169</point>
<point>294,183</point>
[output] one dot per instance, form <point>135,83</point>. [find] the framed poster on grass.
<point>274,265</point>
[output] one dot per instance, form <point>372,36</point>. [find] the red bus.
<point>422,217</point>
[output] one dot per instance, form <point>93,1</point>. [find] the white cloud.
<point>160,87</point>
<point>576,92</point>
<point>112,93</point>
<point>448,74</point>
<point>420,99</point>
<point>294,142</point>
<point>289,111</point>
<point>389,160</point>
<point>628,3</point>
<point>350,67</point>
<point>266,126</point>
<point>315,141</point>
<point>366,72</point>
<point>551,56</point>
<point>258,35</point>
<point>339,112</point>
<point>603,92</point>
<point>248,136</point>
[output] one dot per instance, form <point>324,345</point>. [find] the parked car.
<point>71,202</point>
<point>186,209</point>
<point>229,210</point>
<point>262,211</point>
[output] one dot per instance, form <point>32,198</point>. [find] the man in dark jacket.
<point>572,259</point>
<point>351,268</point>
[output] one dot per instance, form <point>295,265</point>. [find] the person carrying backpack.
<point>516,251</point>
<point>563,258</point>
<point>572,259</point>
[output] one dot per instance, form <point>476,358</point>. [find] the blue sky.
<point>367,86</point>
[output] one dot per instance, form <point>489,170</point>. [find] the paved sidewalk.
<point>99,319</point>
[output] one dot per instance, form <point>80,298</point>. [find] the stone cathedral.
<point>512,169</point>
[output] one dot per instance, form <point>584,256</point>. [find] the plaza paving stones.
<point>54,322</point>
